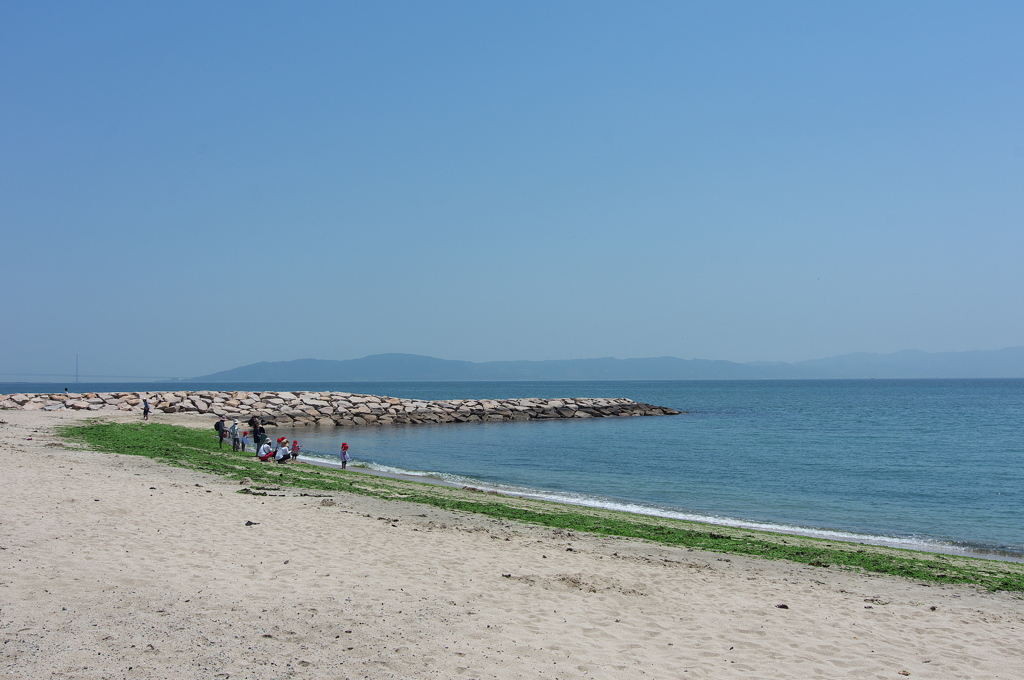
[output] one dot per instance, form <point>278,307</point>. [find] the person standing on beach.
<point>145,409</point>
<point>295,449</point>
<point>234,435</point>
<point>245,440</point>
<point>259,434</point>
<point>221,431</point>
<point>344,455</point>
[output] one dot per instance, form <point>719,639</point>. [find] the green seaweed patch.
<point>198,450</point>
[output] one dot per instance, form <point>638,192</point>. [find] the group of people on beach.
<point>239,438</point>
<point>281,451</point>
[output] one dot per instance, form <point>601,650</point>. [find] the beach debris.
<point>782,606</point>
<point>251,492</point>
<point>261,491</point>
<point>328,502</point>
<point>246,481</point>
<point>250,523</point>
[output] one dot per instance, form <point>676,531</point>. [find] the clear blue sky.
<point>186,187</point>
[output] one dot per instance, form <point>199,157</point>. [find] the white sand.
<point>120,567</point>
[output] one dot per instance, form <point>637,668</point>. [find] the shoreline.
<point>931,546</point>
<point>191,418</point>
<point>123,566</point>
<point>194,449</point>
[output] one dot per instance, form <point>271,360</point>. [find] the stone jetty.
<point>335,409</point>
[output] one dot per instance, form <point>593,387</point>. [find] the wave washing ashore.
<point>917,542</point>
<point>317,445</point>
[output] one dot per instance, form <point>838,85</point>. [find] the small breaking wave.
<point>1009,553</point>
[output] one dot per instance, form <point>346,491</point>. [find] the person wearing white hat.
<point>235,439</point>
<point>283,453</point>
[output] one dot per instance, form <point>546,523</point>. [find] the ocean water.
<point>926,464</point>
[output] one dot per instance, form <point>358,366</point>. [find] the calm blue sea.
<point>927,464</point>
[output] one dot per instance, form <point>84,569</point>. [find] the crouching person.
<point>265,452</point>
<point>283,453</point>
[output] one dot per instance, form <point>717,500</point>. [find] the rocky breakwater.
<point>336,409</point>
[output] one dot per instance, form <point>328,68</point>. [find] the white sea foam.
<point>588,500</point>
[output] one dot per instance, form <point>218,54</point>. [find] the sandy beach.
<point>121,567</point>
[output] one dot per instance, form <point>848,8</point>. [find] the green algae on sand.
<point>198,450</point>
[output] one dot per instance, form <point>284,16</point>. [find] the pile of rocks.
<point>336,408</point>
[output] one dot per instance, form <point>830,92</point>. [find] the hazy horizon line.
<point>126,378</point>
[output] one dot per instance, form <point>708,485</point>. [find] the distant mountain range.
<point>1003,363</point>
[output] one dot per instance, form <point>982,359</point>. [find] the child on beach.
<point>245,440</point>
<point>295,449</point>
<point>344,455</point>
